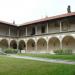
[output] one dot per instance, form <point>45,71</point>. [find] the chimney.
<point>13,22</point>
<point>69,9</point>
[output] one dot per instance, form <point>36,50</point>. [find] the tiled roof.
<point>42,20</point>
<point>49,18</point>
<point>8,23</point>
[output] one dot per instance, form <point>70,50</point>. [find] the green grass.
<point>15,66</point>
<point>64,57</point>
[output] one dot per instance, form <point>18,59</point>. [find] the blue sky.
<point>27,10</point>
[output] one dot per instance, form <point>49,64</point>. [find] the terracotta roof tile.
<point>49,18</point>
<point>42,20</point>
<point>8,23</point>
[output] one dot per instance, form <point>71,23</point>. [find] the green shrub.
<point>63,51</point>
<point>67,51</point>
<point>58,51</point>
<point>10,50</point>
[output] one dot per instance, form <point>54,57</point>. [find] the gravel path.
<point>44,59</point>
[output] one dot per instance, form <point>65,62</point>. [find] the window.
<point>43,29</point>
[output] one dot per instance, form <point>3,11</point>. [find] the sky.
<point>22,11</point>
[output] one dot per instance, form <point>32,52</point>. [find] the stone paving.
<point>44,59</point>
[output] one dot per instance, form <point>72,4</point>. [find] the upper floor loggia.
<point>49,25</point>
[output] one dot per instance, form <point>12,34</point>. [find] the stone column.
<point>19,51</point>
<point>60,36</point>
<point>47,27</point>
<point>36,46</point>
<point>9,31</point>
<point>17,45</point>
<point>60,42</point>
<point>47,46</point>
<point>36,30</point>
<point>17,32</point>
<point>26,48</point>
<point>9,43</point>
<point>60,26</point>
<point>26,31</point>
<point>61,45</point>
<point>9,38</point>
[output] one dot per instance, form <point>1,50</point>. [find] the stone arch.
<point>4,43</point>
<point>41,45</point>
<point>68,42</point>
<point>22,45</point>
<point>53,44</point>
<point>13,44</point>
<point>30,45</point>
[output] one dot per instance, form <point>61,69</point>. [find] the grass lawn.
<point>65,57</point>
<point>14,66</point>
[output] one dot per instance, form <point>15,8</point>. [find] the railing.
<point>2,35</point>
<point>42,34</point>
<point>53,33</point>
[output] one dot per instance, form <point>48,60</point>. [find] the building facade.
<point>40,36</point>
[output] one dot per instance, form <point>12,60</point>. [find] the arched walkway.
<point>22,45</point>
<point>53,44</point>
<point>68,42</point>
<point>41,45</point>
<point>30,45</point>
<point>13,44</point>
<point>3,43</point>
